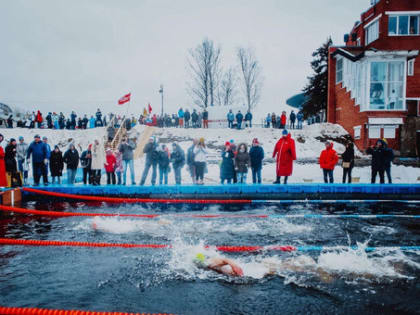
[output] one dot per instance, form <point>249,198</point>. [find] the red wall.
<point>341,108</point>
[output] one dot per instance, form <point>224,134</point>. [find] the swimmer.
<point>221,265</point>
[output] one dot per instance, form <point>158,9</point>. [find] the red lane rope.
<point>10,241</point>
<point>223,248</point>
<point>135,200</point>
<point>73,214</point>
<point>148,216</point>
<point>42,311</point>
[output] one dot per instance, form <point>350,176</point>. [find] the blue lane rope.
<point>366,249</point>
<point>344,216</point>
<point>334,201</point>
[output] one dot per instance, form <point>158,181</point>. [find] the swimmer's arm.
<point>224,261</point>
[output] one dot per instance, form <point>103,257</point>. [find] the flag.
<point>124,99</point>
<point>150,108</point>
<point>145,112</point>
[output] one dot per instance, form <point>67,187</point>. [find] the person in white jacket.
<point>200,158</point>
<point>98,161</point>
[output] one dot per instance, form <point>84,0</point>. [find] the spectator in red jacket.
<point>285,151</point>
<point>327,161</point>
<point>283,120</point>
<point>110,167</point>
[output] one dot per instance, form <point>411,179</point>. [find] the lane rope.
<point>135,200</point>
<point>206,216</point>
<point>42,311</point>
<point>223,248</point>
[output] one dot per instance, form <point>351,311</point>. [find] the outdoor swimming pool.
<point>307,280</point>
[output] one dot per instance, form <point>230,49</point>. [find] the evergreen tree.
<point>316,90</point>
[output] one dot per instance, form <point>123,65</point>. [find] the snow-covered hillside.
<point>309,144</point>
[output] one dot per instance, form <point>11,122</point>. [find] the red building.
<point>374,80</point>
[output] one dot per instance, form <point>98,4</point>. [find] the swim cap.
<point>200,257</point>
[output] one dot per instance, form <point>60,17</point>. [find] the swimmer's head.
<point>200,259</point>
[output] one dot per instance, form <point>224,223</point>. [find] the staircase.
<point>121,133</point>
<point>144,139</point>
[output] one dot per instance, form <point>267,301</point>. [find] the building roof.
<point>353,53</point>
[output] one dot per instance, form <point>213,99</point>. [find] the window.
<point>403,24</point>
<point>339,71</point>
<point>372,32</point>
<point>389,132</point>
<point>357,132</point>
<point>386,85</point>
<point>410,67</point>
<point>374,132</point>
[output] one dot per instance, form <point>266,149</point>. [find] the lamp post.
<point>161,93</point>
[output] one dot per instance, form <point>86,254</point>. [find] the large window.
<point>339,70</point>
<point>372,32</point>
<point>386,85</point>
<point>403,25</point>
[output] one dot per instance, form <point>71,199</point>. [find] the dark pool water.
<point>167,280</point>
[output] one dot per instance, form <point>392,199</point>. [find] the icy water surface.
<point>167,280</point>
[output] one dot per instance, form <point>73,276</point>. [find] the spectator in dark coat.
<point>239,118</point>
<point>348,161</point>
<point>71,158</point>
<point>38,150</point>
<point>187,117</point>
<point>194,119</point>
<point>86,163</point>
<point>242,162</point>
<point>151,160</point>
<point>378,153</point>
<point>178,161</point>
<point>56,165</point>
<point>205,119</point>
<point>389,157</point>
<point>248,119</point>
<point>11,164</point>
<point>10,157</point>
<point>256,155</point>
<point>227,168</point>
<point>292,118</point>
<point>163,162</point>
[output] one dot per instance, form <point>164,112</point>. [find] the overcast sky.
<point>79,55</point>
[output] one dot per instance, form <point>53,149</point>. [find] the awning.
<point>385,121</point>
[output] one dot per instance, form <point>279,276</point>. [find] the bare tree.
<point>204,68</point>
<point>251,78</point>
<point>226,92</point>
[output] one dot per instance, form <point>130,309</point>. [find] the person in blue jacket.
<point>92,122</point>
<point>230,119</point>
<point>45,174</point>
<point>38,150</point>
<point>257,155</point>
<point>239,118</point>
<point>181,117</point>
<point>299,117</point>
<point>227,168</point>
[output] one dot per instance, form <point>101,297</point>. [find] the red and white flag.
<point>150,108</point>
<point>124,99</point>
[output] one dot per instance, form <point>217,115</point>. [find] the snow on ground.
<point>215,138</point>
